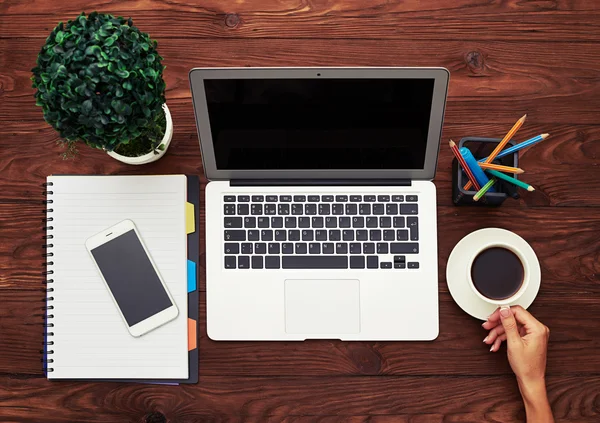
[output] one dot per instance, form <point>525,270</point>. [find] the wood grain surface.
<point>540,57</point>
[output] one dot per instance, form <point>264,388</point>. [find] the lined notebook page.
<point>90,338</point>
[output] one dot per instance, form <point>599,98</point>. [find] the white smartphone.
<point>132,278</point>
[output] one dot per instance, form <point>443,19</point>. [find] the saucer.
<point>458,264</point>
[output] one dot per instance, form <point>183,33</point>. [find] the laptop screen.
<point>263,124</point>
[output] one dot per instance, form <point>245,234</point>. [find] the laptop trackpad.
<point>322,306</point>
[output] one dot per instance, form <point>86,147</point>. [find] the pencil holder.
<point>481,148</point>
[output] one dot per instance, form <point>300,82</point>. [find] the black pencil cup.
<point>481,148</point>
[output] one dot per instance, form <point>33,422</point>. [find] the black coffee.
<point>497,273</point>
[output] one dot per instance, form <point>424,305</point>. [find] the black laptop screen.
<point>319,123</point>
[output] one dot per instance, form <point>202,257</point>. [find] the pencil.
<point>462,162</point>
<point>484,189</point>
<point>503,143</point>
<point>519,146</point>
<point>510,179</point>
<point>500,168</point>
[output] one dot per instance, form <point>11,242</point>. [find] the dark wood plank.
<point>214,399</point>
<point>490,82</point>
<point>547,21</point>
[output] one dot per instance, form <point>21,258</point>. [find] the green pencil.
<point>510,179</point>
<point>484,189</point>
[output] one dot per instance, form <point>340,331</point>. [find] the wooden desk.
<point>506,59</point>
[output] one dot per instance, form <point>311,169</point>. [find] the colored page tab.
<point>192,335</point>
<point>190,224</point>
<point>191,276</point>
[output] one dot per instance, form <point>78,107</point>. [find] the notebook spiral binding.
<point>48,281</point>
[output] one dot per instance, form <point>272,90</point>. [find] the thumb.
<point>510,326</point>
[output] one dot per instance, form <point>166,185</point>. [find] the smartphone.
<point>132,278</point>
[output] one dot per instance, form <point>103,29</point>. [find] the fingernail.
<point>492,349</point>
<point>485,339</point>
<point>505,311</point>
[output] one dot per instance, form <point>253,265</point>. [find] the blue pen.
<point>520,146</point>
<point>478,172</point>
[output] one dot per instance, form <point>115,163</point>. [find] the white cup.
<point>526,275</point>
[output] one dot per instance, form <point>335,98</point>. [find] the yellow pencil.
<point>501,145</point>
<point>508,169</point>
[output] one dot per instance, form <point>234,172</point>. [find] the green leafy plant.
<point>99,80</point>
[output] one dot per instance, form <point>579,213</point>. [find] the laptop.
<point>320,210</point>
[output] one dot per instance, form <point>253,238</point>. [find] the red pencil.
<point>462,162</point>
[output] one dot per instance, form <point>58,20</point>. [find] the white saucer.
<point>456,271</point>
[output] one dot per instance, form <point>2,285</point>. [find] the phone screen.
<point>131,277</point>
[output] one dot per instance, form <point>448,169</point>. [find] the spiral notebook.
<point>85,337</point>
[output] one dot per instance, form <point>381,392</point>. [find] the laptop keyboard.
<point>320,231</point>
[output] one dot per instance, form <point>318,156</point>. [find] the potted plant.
<point>99,80</point>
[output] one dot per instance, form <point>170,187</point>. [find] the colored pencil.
<point>500,168</point>
<point>510,179</point>
<point>476,170</point>
<point>519,146</point>
<point>462,162</point>
<point>503,143</point>
<point>484,189</point>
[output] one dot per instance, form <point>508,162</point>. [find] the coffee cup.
<point>498,273</point>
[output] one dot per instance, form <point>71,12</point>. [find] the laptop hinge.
<point>319,182</point>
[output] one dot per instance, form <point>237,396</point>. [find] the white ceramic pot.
<point>151,156</point>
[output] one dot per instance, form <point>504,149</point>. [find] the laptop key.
<point>308,235</point>
<point>383,198</point>
<point>375,235</point>
<point>229,198</point>
<point>285,198</point>
<point>297,209</point>
<point>266,235</point>
<point>331,222</point>
<point>355,248</point>
<point>301,248</point>
<point>369,248</point>
<point>246,248</point>
<point>253,235</point>
<point>235,235</point>
<point>348,235</point>
<point>272,262</point>
<point>412,198</point>
<point>409,208</point>
<point>271,198</point>
<point>378,209</point>
<point>389,235</point>
<point>313,199</point>
<point>314,248</point>
<point>341,248</point>
<point>317,222</point>
<point>233,222</point>
<point>243,209</point>
<point>391,208</point>
<point>413,226</point>
<point>260,248</point>
<point>358,222</point>
<point>404,248</point>
<point>356,198</point>
<point>280,235</point>
<point>399,265</point>
<point>337,209</point>
<point>256,209</point>
<point>258,198</point>
<point>324,209</point>
<point>250,222</point>
<point>310,209</point>
<point>398,198</point>
<point>341,198</point>
<point>335,235</point>
<point>362,235</point>
<point>399,222</point>
<point>413,265</point>
<point>290,222</point>
<point>402,234</point>
<point>385,222</point>
<point>357,262</point>
<point>385,265</point>
<point>257,262</point>
<point>232,248</point>
<point>315,262</point>
<point>283,209</point>
<point>294,235</point>
<point>300,198</point>
<point>372,262</point>
<point>327,198</point>
<point>351,209</point>
<point>270,209</point>
<point>344,222</point>
<point>364,209</point>
<point>369,198</point>
<point>382,248</point>
<point>229,209</point>
<point>277,222</point>
<point>273,248</point>
<point>243,198</point>
<point>243,262</point>
<point>328,248</point>
<point>371,222</point>
<point>320,235</point>
<point>287,248</point>
<point>304,222</point>
<point>230,262</point>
